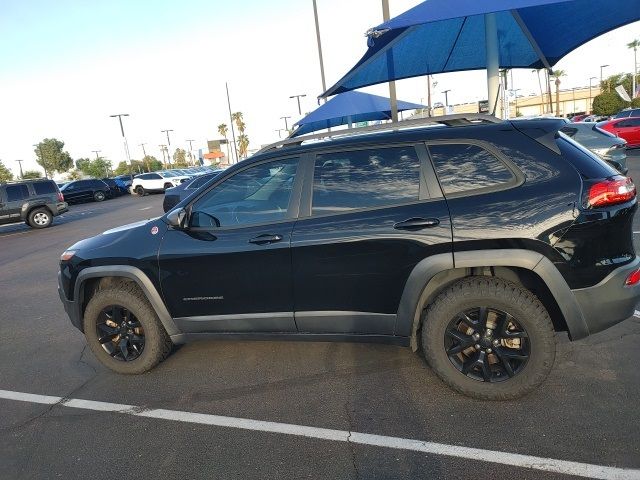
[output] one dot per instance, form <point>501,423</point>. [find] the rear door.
<point>15,196</point>
<point>629,130</point>
<point>369,216</point>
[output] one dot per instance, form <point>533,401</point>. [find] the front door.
<point>12,201</point>
<point>230,269</point>
<point>374,214</point>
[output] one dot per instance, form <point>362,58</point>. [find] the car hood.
<point>121,240</point>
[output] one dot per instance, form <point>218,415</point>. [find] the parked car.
<point>114,189</point>
<point>607,146</point>
<point>86,190</point>
<point>629,112</point>
<point>471,243</point>
<point>34,202</point>
<point>126,179</point>
<point>173,196</point>
<point>627,128</point>
<point>594,118</point>
<point>579,118</point>
<point>156,182</point>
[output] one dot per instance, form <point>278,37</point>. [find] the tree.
<point>96,168</point>
<point>51,157</point>
<point>607,103</point>
<point>557,74</point>
<point>180,158</point>
<point>74,174</point>
<point>224,130</point>
<point>243,145</point>
<point>151,163</point>
<point>537,71</point>
<point>31,174</point>
<point>5,173</point>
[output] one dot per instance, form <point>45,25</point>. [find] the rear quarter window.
<point>45,188</point>
<point>586,162</point>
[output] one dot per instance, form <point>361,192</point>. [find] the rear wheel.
<point>167,186</point>
<point>123,331</point>
<point>39,218</point>
<point>489,339</point>
<point>140,190</point>
<point>99,196</point>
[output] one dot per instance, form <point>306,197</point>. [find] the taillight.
<point>60,197</point>
<point>611,192</point>
<point>633,278</point>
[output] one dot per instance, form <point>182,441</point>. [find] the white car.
<point>156,182</point>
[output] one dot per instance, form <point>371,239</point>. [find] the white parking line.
<point>504,458</point>
<point>636,314</point>
<point>145,208</point>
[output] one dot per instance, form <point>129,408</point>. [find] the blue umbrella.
<point>440,36</point>
<point>347,108</point>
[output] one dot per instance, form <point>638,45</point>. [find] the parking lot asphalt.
<point>586,412</point>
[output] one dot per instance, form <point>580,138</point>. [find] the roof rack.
<point>457,119</point>
<point>40,179</point>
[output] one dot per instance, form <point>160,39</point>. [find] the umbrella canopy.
<point>440,36</point>
<point>349,107</point>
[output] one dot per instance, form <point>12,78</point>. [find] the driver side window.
<point>259,194</point>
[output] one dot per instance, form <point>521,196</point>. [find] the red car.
<point>626,128</point>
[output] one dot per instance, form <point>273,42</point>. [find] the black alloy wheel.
<point>120,333</point>
<point>487,344</point>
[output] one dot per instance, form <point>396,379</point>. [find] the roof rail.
<point>40,179</point>
<point>449,120</point>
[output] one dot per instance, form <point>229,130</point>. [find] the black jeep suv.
<point>473,241</point>
<point>34,202</point>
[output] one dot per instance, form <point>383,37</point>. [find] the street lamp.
<point>298,98</point>
<point>190,150</point>
<point>286,125</point>
<point>124,138</point>
<point>96,152</point>
<point>446,99</point>
<point>602,67</point>
<point>21,174</point>
<point>168,143</point>
<point>590,101</point>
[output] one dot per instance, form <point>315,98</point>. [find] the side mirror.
<point>177,218</point>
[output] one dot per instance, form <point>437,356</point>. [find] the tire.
<point>494,295</point>
<point>157,344</point>
<point>99,196</point>
<point>167,186</point>
<point>39,218</point>
<point>140,191</point>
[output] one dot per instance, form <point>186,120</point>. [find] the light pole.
<point>446,100</point>
<point>280,130</point>
<point>168,145</point>
<point>590,106</point>
<point>190,150</point>
<point>298,97</point>
<point>233,130</point>
<point>286,124</point>
<point>21,174</point>
<point>124,138</point>
<point>315,14</point>
<point>39,147</point>
<point>96,152</point>
<point>164,160</point>
<point>144,153</point>
<point>602,67</point>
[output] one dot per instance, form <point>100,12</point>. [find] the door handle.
<point>265,239</point>
<point>417,224</point>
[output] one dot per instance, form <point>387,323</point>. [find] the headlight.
<point>67,255</point>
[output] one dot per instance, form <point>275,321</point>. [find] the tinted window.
<point>198,182</point>
<point>364,179</point>
<point>43,188</point>
<point>461,168</point>
<point>259,194</point>
<point>17,192</point>
<point>152,176</point>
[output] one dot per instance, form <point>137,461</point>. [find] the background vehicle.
<point>475,241</point>
<point>114,189</point>
<point>34,202</point>
<point>156,182</point>
<point>604,144</point>
<point>630,112</point>
<point>86,190</point>
<point>126,179</point>
<point>175,195</point>
<point>627,128</point>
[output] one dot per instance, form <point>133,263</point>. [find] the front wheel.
<point>140,191</point>
<point>168,186</point>
<point>123,331</point>
<point>99,196</point>
<point>489,338</point>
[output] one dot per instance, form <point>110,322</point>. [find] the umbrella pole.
<point>493,63</point>
<point>392,85</point>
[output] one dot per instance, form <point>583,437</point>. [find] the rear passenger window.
<point>44,188</point>
<point>365,179</point>
<point>17,192</point>
<point>462,168</point>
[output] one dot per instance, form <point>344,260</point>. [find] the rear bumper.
<point>610,301</point>
<point>69,305</point>
<point>61,207</point>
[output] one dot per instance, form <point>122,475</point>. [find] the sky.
<point>66,65</point>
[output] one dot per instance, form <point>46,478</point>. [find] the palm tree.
<point>635,44</point>
<point>243,145</point>
<point>537,71</point>
<point>237,117</point>
<point>557,74</point>
<point>224,130</point>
